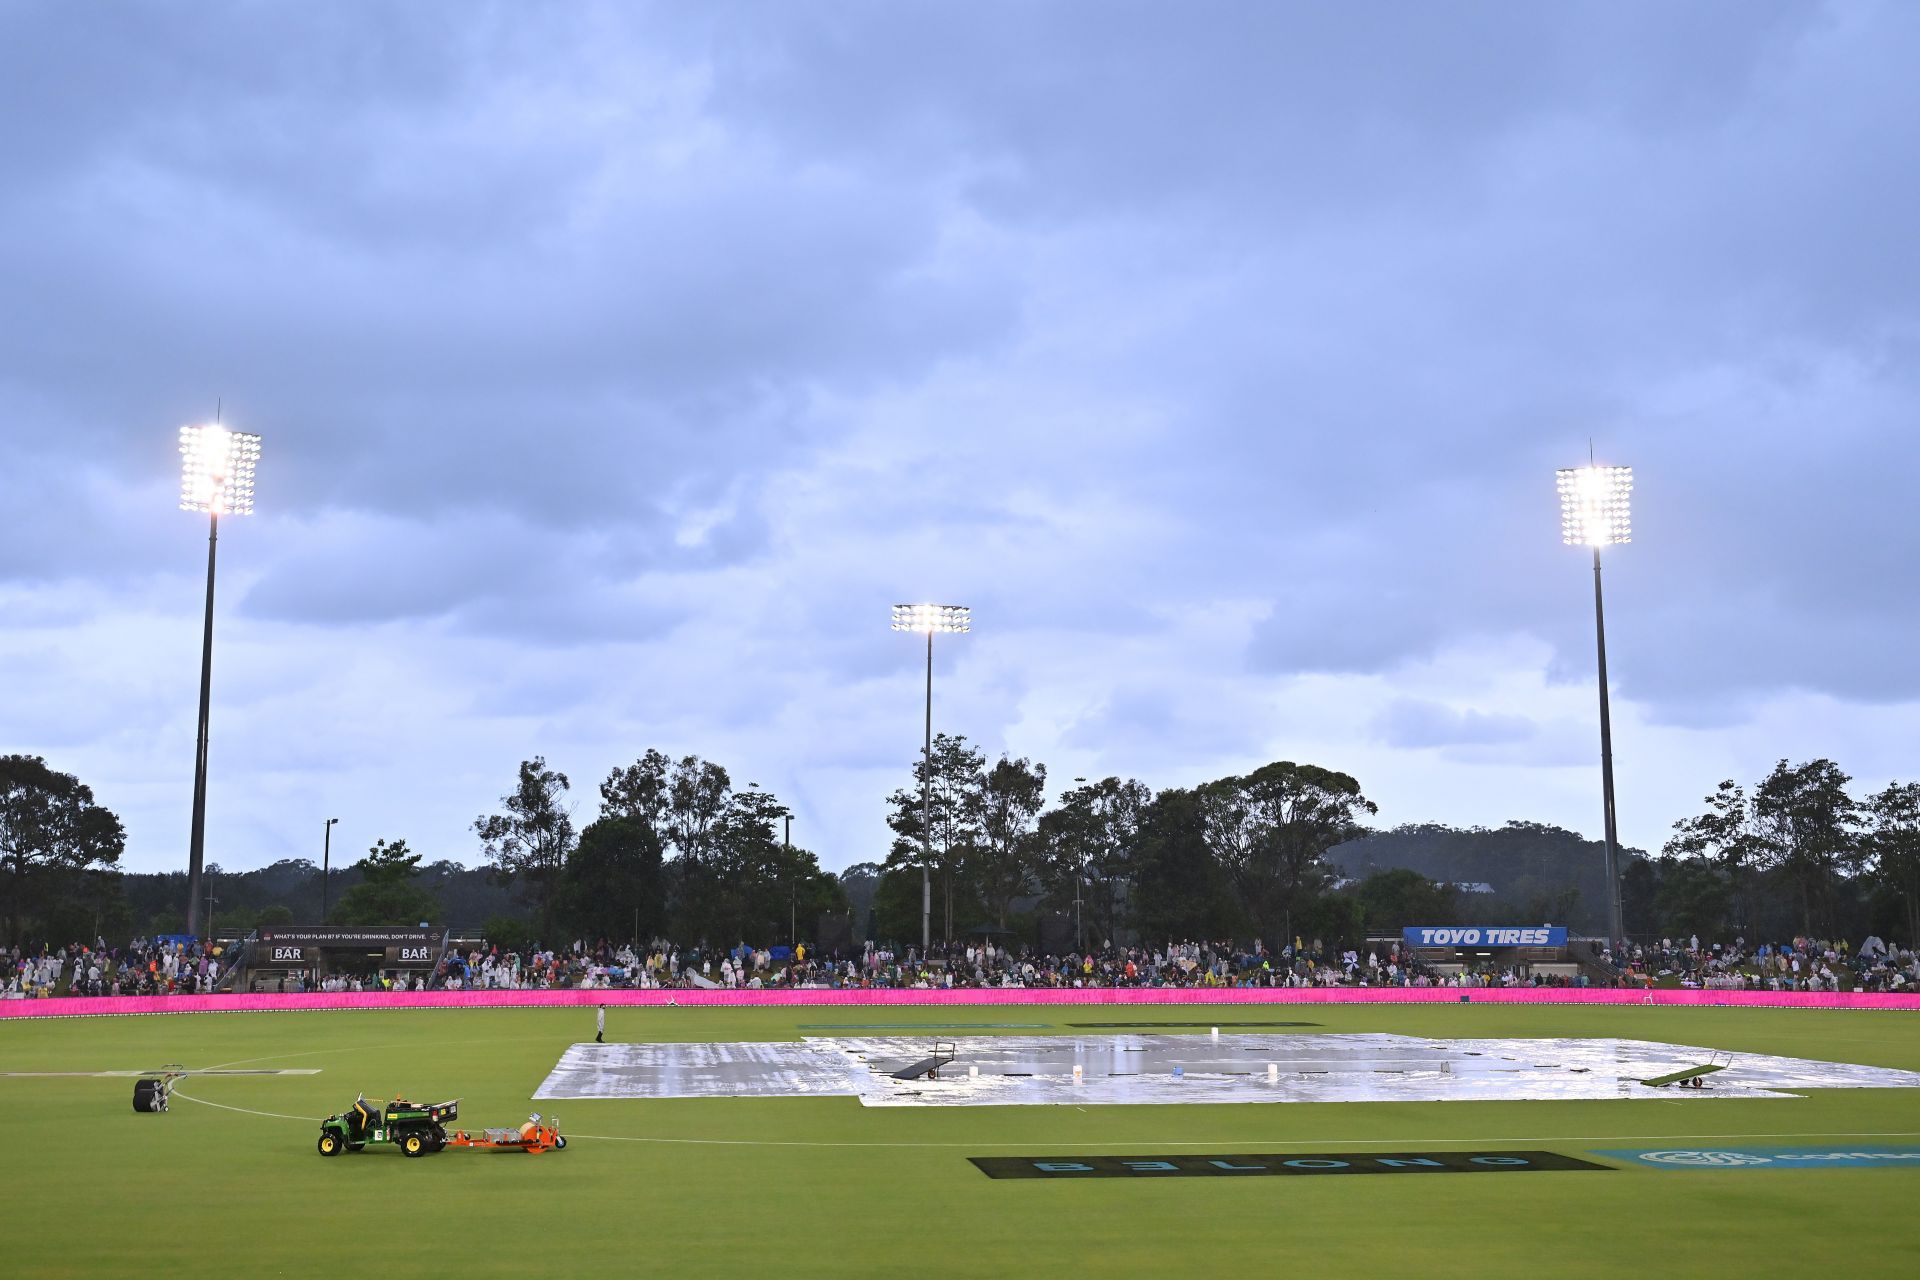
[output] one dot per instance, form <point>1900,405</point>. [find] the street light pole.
<point>793,889</point>
<point>216,477</point>
<point>1595,511</point>
<point>954,618</point>
<point>326,857</point>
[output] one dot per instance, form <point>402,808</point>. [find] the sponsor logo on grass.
<point>1705,1159</point>
<point>1876,1157</point>
<point>1284,1165</point>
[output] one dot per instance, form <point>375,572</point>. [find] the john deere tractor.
<point>417,1129</point>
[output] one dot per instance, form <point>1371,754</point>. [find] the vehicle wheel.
<point>559,1144</point>
<point>413,1145</point>
<point>330,1144</point>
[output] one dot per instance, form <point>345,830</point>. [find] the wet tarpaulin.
<point>716,1069</point>
<point>1148,1026</point>
<point>1143,1068</point>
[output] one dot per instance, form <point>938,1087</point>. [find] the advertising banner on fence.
<point>1474,935</point>
<point>72,1006</point>
<point>290,945</point>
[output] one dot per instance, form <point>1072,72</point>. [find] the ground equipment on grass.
<point>418,1129</point>
<point>151,1090</point>
<point>929,1066</point>
<point>1692,1077</point>
<point>534,1137</point>
<point>153,1087</point>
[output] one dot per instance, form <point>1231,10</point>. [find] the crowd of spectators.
<point>164,966</point>
<point>1804,964</point>
<point>985,964</point>
<point>660,964</point>
<point>483,968</point>
<point>144,967</point>
<point>1208,964</point>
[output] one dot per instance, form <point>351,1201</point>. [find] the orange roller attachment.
<point>535,1137</point>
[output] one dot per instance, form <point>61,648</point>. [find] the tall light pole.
<point>929,618</point>
<point>216,476</point>
<point>1595,511</point>
<point>326,856</point>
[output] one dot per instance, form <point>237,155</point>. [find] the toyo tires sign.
<point>1544,935</point>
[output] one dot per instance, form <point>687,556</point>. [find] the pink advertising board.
<point>81,1007</point>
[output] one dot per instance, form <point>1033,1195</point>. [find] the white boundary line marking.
<point>1143,1142</point>
<point>1237,1142</point>
<point>275,1115</point>
<point>154,1071</point>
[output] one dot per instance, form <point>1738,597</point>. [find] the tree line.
<point>1282,852</point>
<point>1243,856</point>
<point>1797,852</point>
<point>58,852</point>
<point>674,849</point>
<point>1278,853</point>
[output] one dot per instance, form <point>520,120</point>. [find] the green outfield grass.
<point>826,1187</point>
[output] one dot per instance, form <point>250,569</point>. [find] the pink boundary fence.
<point>70,1007</point>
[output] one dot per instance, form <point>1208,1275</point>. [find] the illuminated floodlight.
<point>1595,511</point>
<point>216,470</point>
<point>928,619</point>
<point>1594,506</point>
<point>216,478</point>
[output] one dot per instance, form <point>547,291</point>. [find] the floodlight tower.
<point>1079,887</point>
<point>216,476</point>
<point>956,619</point>
<point>1595,512</point>
<point>326,857</point>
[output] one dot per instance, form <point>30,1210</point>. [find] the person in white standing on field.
<point>600,1025</point>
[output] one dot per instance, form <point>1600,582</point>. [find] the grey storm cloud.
<point>1415,722</point>
<point>618,365</point>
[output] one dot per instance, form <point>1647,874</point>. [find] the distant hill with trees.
<point>1534,873</point>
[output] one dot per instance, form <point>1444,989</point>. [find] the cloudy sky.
<point>618,367</point>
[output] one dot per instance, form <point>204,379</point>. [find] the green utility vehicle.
<point>418,1129</point>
